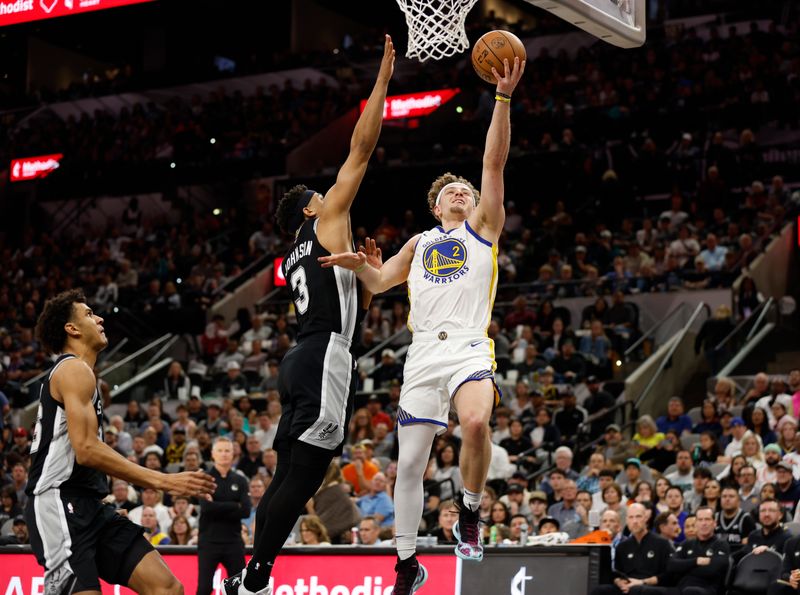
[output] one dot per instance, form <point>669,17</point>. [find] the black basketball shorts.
<point>317,384</point>
<point>85,536</point>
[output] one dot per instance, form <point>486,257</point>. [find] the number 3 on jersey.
<point>299,286</point>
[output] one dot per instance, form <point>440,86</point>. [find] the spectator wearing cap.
<point>616,449</point>
<point>359,471</point>
<point>769,472</point>
<point>152,498</point>
<point>213,424</point>
<point>19,533</point>
<point>376,502</point>
<point>548,525</point>
<point>234,383</point>
<point>22,445</point>
<point>388,370</point>
<point>675,419</point>
<point>739,432</point>
<point>537,503</point>
<point>375,408</point>
<point>514,498</point>
<point>596,404</point>
<point>111,437</point>
<point>177,446</point>
<point>787,488</point>
<point>630,476</point>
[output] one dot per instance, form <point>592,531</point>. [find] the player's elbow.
<point>84,453</point>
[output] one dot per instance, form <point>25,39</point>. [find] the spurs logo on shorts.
<point>327,431</point>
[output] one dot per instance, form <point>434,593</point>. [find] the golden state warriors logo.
<point>444,260</point>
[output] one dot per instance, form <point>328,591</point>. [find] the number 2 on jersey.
<point>298,281</point>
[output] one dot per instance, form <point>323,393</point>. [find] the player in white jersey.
<point>451,272</point>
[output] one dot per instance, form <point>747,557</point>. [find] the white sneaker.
<point>234,585</point>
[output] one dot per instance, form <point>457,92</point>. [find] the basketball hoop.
<point>436,27</point>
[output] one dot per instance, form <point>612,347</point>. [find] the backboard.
<point>618,22</point>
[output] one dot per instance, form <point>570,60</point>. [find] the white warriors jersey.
<point>453,281</point>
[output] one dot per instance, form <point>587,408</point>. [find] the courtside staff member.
<point>220,537</point>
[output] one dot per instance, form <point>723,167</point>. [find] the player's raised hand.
<point>511,76</point>
<point>374,254</point>
<point>387,62</point>
<point>346,260</point>
<point>198,484</point>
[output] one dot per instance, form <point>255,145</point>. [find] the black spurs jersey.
<point>53,459</point>
<point>326,300</point>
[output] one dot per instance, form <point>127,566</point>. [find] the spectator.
<point>250,462</point>
<point>447,468</point>
<point>517,444</point>
<point>569,419</point>
<point>568,364</point>
<point>151,529</point>
<point>234,383</point>
<point>701,476</point>
<point>733,523</point>
<point>359,471</point>
<point>706,452</point>
<point>377,502</point>
<point>647,433</point>
<point>709,420</point>
<point>617,449</point>
<point>596,404</point>
<point>787,488</point>
<point>388,370</point>
<point>313,532</point>
<point>152,498</point>
<point>595,347</point>
<point>369,531</point>
<point>375,408</point>
<point>448,516</point>
<point>675,419</point>
<point>667,526</point>
<point>771,536</point>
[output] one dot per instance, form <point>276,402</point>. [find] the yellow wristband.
<point>503,99</point>
<point>361,268</point>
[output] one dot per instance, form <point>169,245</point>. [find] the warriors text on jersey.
<point>453,280</point>
<point>54,464</point>
<point>326,300</point>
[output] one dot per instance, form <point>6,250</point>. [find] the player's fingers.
<point>379,253</point>
<point>496,74</point>
<point>506,67</point>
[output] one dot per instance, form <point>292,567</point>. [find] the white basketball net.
<point>436,27</point>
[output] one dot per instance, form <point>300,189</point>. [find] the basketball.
<point>490,51</point>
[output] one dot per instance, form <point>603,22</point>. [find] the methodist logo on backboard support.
<point>22,11</point>
<point>30,168</point>
<point>414,105</point>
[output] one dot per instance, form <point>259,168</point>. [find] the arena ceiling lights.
<point>13,12</point>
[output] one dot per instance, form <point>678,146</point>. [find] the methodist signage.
<point>278,280</point>
<point>414,105</point>
<point>364,570</point>
<point>22,11</point>
<point>30,168</point>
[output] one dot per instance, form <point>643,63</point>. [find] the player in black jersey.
<point>317,376</point>
<point>76,537</point>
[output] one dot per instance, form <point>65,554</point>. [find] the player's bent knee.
<point>474,426</point>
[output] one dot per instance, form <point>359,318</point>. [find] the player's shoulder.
<point>72,372</point>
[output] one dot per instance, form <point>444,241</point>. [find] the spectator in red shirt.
<point>375,408</point>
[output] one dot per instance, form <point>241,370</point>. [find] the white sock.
<point>409,499</point>
<point>472,499</point>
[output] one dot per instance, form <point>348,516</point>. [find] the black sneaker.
<point>411,575</point>
<point>234,585</point>
<point>468,532</point>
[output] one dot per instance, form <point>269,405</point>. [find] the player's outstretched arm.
<point>362,143</point>
<point>75,384</point>
<point>489,217</point>
<point>393,272</point>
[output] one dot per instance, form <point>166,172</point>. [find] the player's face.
<point>89,325</point>
<point>457,202</point>
<point>316,204</point>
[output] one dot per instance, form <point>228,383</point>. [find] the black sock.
<point>304,476</point>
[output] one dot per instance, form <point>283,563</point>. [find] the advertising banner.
<point>22,11</point>
<point>30,168</point>
<point>414,105</point>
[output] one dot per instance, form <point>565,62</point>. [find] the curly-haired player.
<point>452,277</point>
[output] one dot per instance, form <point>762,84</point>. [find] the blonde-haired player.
<point>452,277</point>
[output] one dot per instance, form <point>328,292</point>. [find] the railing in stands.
<point>682,307</point>
<point>743,346</point>
<point>666,360</point>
